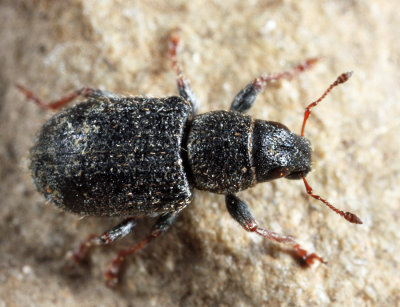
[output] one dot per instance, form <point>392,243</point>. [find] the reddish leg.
<point>85,92</point>
<point>162,225</point>
<point>115,233</point>
<point>245,99</point>
<point>241,213</point>
<point>183,84</point>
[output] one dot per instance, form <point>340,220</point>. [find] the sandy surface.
<point>207,259</point>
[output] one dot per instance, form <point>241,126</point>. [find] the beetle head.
<point>278,152</point>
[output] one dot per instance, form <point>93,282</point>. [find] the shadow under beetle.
<point>134,156</point>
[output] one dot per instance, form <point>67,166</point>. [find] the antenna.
<point>352,218</point>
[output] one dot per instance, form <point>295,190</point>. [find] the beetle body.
<point>143,156</point>
<point>134,156</point>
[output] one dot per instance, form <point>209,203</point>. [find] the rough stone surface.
<point>206,259</point>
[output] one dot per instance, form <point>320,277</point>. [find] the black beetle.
<point>134,156</point>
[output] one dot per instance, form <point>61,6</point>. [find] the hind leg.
<point>85,92</point>
<point>164,222</point>
<point>115,233</point>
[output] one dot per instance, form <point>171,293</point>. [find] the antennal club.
<point>352,218</point>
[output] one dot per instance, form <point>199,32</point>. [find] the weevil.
<point>142,157</point>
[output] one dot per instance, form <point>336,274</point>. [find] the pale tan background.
<point>207,259</point>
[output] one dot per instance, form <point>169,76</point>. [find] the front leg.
<point>244,100</point>
<point>241,213</point>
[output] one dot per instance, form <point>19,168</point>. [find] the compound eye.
<point>278,173</point>
<point>278,125</point>
<point>294,176</point>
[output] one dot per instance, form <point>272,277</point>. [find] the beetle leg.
<point>244,100</point>
<point>161,226</point>
<point>241,213</point>
<point>184,89</point>
<point>115,233</point>
<point>86,92</point>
